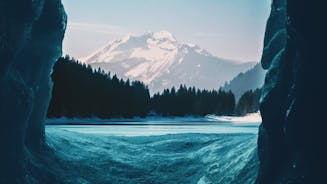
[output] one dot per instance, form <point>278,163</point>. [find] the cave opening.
<point>134,167</point>
<point>290,148</point>
<point>31,41</point>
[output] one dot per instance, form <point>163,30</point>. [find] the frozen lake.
<point>153,152</point>
<point>151,129</point>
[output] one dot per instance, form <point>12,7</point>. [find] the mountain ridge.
<point>245,81</point>
<point>160,61</point>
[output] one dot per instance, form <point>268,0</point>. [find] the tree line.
<point>249,102</point>
<point>189,101</point>
<point>81,91</point>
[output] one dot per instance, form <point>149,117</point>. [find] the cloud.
<point>203,34</point>
<point>96,28</point>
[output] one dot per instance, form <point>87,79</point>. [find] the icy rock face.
<point>31,34</point>
<point>275,36</point>
<point>291,145</point>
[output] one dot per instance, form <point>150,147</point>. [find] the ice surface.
<point>156,154</point>
<point>253,118</point>
<point>153,128</point>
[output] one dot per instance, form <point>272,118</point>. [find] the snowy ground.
<point>192,153</point>
<point>249,118</point>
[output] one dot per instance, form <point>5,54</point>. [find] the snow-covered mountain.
<point>161,62</point>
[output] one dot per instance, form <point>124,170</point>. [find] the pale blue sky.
<point>227,28</point>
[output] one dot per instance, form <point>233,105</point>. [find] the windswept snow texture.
<point>161,62</point>
<point>93,155</point>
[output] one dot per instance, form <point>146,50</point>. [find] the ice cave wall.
<point>292,139</point>
<point>31,34</point>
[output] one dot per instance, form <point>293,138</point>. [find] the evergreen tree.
<point>249,102</point>
<point>81,91</point>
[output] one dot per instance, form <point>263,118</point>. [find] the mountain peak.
<point>164,35</point>
<point>161,35</point>
<point>160,61</point>
<point>125,38</point>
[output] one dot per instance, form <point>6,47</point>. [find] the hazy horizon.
<point>232,29</point>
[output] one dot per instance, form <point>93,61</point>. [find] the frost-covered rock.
<point>31,34</point>
<point>292,137</point>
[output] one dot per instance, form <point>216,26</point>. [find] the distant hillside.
<point>250,80</point>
